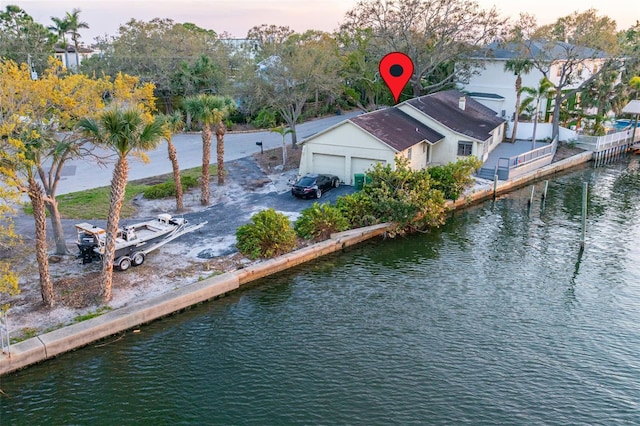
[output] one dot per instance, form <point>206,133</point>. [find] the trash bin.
<point>358,181</point>
<point>367,179</point>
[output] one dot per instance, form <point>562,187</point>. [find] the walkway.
<point>508,149</point>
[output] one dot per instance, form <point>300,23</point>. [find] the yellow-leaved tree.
<point>37,120</point>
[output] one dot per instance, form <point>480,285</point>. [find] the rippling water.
<point>498,317</point>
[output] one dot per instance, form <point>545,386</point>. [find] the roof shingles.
<point>395,128</point>
<point>476,120</point>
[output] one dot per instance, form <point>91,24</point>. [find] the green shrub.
<point>452,179</point>
<point>357,209</point>
<point>270,234</point>
<point>402,196</point>
<point>168,188</point>
<point>319,221</point>
<point>265,119</point>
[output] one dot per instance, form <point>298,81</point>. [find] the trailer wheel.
<point>138,258</point>
<point>123,263</point>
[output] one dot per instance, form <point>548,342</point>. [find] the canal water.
<point>498,317</point>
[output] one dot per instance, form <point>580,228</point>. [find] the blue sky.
<point>237,16</point>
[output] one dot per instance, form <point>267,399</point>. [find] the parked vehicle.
<point>313,185</point>
<point>133,242</point>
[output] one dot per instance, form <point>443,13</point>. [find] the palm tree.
<point>73,25</point>
<point>172,124</point>
<point>124,131</point>
<point>61,28</point>
<point>209,110</point>
<point>519,66</point>
<point>544,91</point>
<point>282,131</point>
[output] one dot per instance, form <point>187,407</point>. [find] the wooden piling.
<point>585,189</point>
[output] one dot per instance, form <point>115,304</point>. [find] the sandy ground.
<point>175,265</point>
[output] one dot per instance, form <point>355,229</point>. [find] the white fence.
<point>543,131</point>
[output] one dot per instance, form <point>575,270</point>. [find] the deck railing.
<point>506,166</point>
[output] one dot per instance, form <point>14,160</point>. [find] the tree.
<point>18,154</point>
<point>24,41</point>
<point>172,124</point>
<point>435,34</point>
<point>359,70</point>
<point>155,50</point>
<point>209,110</point>
<point>519,66</point>
<point>569,49</point>
<point>544,90</point>
<point>125,131</point>
<point>73,25</point>
<point>282,131</point>
<point>61,28</point>
<point>306,66</point>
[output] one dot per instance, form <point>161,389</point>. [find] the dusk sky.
<point>236,17</point>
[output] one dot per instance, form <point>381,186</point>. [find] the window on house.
<point>465,148</point>
<point>409,153</point>
<point>559,71</point>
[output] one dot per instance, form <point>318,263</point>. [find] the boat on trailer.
<point>133,242</point>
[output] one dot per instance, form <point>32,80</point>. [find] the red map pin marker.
<point>396,70</point>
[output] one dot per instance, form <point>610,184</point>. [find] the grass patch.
<point>90,314</point>
<point>94,203</point>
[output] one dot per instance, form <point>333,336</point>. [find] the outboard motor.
<point>86,244</point>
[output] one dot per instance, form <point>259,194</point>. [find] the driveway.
<point>247,191</point>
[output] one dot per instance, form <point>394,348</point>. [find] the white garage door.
<point>361,165</point>
<point>329,164</point>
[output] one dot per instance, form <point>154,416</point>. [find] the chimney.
<point>462,102</point>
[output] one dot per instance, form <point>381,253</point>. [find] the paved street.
<point>82,174</point>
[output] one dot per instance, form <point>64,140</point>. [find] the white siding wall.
<point>447,151</point>
<point>350,142</point>
<point>494,79</point>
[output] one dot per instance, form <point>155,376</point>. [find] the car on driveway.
<point>314,185</point>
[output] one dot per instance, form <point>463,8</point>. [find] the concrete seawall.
<point>49,345</point>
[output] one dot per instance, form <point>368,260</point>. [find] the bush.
<point>357,209</point>
<point>168,188</point>
<point>265,119</point>
<point>453,178</point>
<point>319,221</point>
<point>270,234</point>
<point>402,196</point>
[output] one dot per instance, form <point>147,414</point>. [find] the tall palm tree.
<point>545,90</point>
<point>172,124</point>
<point>73,25</point>
<point>124,131</point>
<point>209,110</point>
<point>61,28</point>
<point>519,66</point>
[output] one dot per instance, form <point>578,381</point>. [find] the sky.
<point>236,17</point>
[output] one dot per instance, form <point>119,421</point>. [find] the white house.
<point>429,130</point>
<point>495,88</point>
<point>69,59</point>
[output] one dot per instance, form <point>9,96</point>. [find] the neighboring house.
<point>70,56</point>
<point>429,130</point>
<point>495,88</point>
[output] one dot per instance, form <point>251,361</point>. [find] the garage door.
<point>329,164</point>
<point>361,165</point>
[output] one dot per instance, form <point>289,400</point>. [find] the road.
<point>84,174</point>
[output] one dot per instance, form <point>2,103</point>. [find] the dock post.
<point>533,188</point>
<point>544,190</point>
<point>495,185</point>
<point>585,189</point>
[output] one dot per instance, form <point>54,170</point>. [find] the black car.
<point>312,185</point>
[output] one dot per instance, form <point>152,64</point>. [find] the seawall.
<point>65,339</point>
